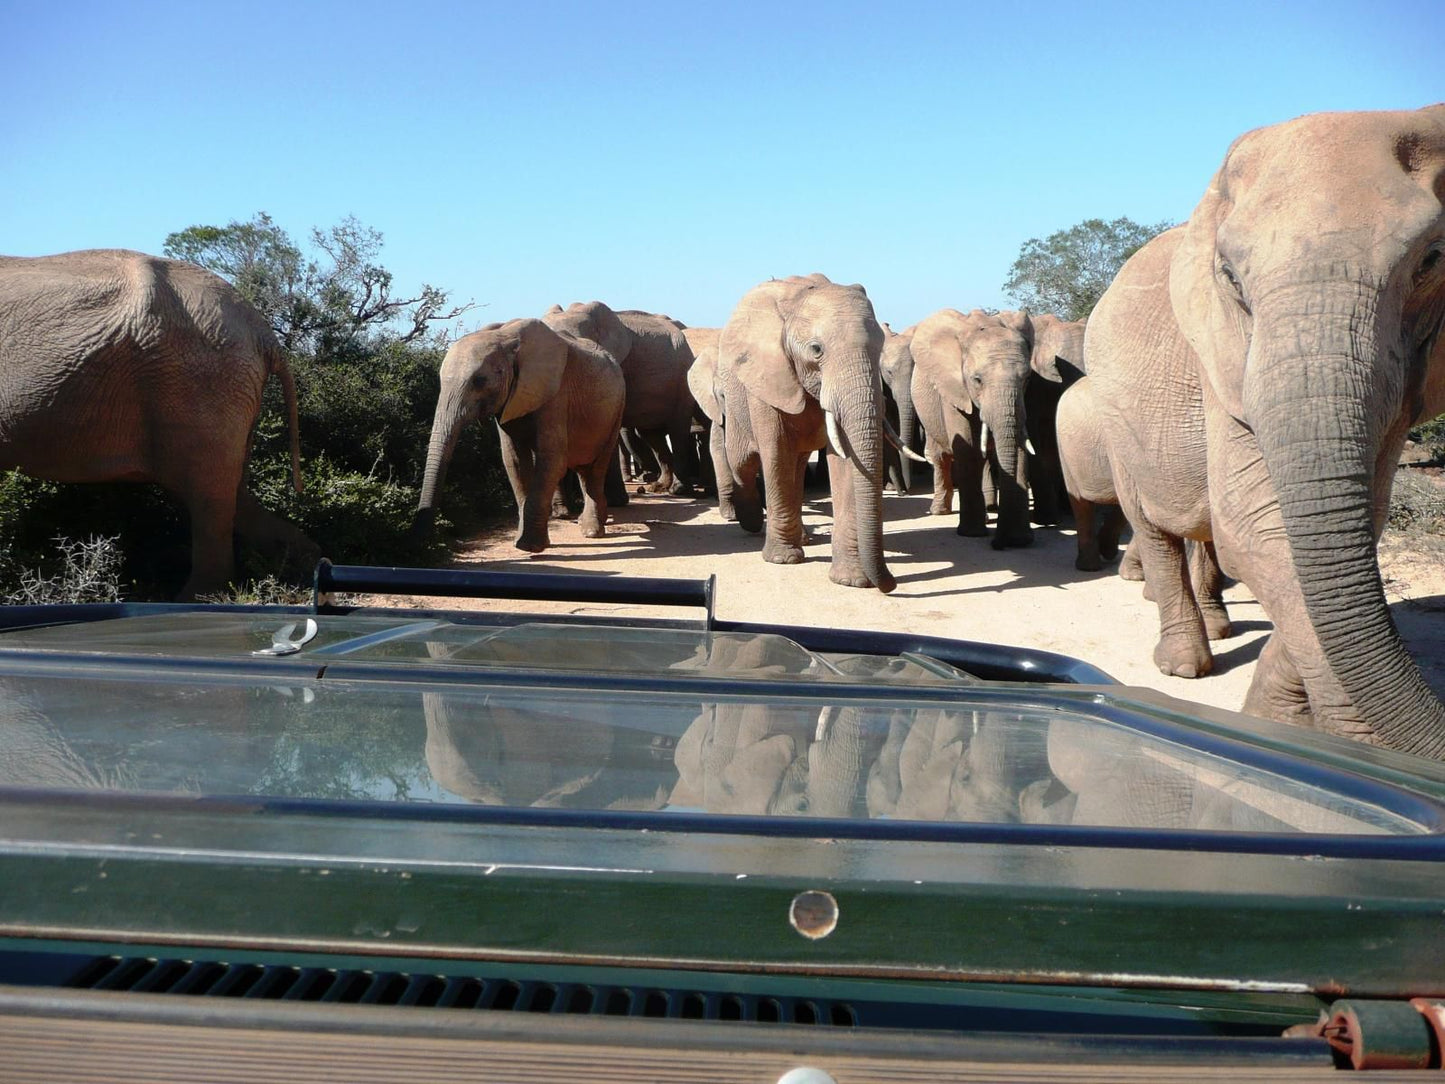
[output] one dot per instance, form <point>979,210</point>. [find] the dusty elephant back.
<point>114,345</point>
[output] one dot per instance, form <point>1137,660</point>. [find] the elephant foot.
<point>940,508</point>
<point>781,553</point>
<point>1182,656</point>
<point>1088,561</point>
<point>1130,567</point>
<point>531,542</point>
<point>1008,540</point>
<point>750,519</point>
<point>850,575</point>
<point>728,511</point>
<point>591,527</point>
<point>971,530</point>
<point>1216,623</point>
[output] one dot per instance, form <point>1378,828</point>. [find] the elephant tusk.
<point>983,437</point>
<point>897,442</point>
<point>824,718</point>
<point>835,438</point>
<point>1029,446</point>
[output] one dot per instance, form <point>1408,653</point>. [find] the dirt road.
<point>947,586</point>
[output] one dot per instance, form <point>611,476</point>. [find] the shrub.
<point>82,571</point>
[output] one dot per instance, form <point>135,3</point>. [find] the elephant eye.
<point>1431,261</point>
<point>1227,273</point>
<point>815,349</point>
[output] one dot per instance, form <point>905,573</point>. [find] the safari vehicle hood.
<point>660,820</point>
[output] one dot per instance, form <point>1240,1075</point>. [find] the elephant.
<point>557,401</point>
<point>970,372</point>
<point>654,357</point>
<point>1260,367</point>
<point>702,382</point>
<point>897,364</point>
<point>1057,362</point>
<point>119,366</point>
<point>798,363</point>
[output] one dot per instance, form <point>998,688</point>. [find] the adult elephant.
<point>798,365</point>
<point>557,401</point>
<point>1057,363</point>
<point>118,366</point>
<point>654,356</point>
<point>970,371</point>
<point>1297,316</point>
<point>897,365</point>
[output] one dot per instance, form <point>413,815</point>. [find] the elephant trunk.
<point>1321,397</point>
<point>860,413</point>
<point>446,427</point>
<point>1010,466</point>
<point>907,429</point>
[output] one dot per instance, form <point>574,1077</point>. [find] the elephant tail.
<point>282,370</point>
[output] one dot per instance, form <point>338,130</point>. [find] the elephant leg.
<point>1183,648</point>
<point>213,516</point>
<point>594,493</point>
<point>567,501</point>
<point>942,463</point>
<point>517,462</point>
<point>261,527</point>
<point>615,484</point>
<point>1130,567</point>
<point>745,465</point>
<point>1088,558</point>
<point>1045,476</point>
<point>784,544</point>
<point>656,442</point>
<point>1277,691</point>
<point>1208,580</point>
<point>803,489</point>
<point>546,474</point>
<point>968,465</point>
<point>717,448</point>
<point>686,474</point>
<point>1109,531</point>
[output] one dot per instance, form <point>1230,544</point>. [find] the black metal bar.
<point>547,587</point>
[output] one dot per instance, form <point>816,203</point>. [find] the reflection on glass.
<point>750,753</point>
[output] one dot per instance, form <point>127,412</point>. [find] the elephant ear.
<point>1215,333</point>
<point>939,354</point>
<point>540,361</point>
<point>700,377</point>
<point>753,343</point>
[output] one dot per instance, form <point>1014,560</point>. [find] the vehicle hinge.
<point>1378,1034</point>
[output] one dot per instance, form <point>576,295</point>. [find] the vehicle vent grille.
<point>279,983</point>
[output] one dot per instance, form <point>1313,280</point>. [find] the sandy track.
<point>947,586</point>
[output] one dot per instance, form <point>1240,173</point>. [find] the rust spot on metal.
<point>814,914</point>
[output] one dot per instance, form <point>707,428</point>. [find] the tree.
<point>331,304</point>
<point>1067,272</point>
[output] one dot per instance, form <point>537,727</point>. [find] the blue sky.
<point>665,156</point>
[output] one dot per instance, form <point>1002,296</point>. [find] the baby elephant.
<point>557,401</point>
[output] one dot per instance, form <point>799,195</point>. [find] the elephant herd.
<point>1240,394</point>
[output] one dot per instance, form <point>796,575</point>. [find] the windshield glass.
<point>960,758</point>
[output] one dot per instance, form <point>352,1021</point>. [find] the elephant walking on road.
<point>970,371</point>
<point>799,370</point>
<point>118,366</point>
<point>1268,359</point>
<point>557,401</point>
